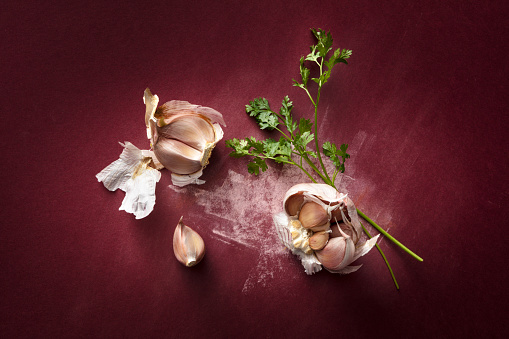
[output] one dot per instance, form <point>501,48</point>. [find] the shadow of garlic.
<point>182,136</point>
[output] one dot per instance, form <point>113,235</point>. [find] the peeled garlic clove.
<point>188,245</point>
<point>294,203</point>
<point>318,240</point>
<point>312,214</point>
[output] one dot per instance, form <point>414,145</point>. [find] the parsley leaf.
<point>256,165</point>
<point>259,109</point>
<point>337,155</point>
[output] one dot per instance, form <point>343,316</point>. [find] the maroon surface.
<point>423,105</point>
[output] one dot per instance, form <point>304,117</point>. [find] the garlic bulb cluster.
<point>188,245</point>
<point>321,225</point>
<point>182,136</point>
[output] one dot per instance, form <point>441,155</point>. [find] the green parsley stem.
<point>304,170</point>
<point>390,237</point>
<point>310,163</point>
<point>309,95</point>
<point>334,176</point>
<point>383,256</point>
<point>316,131</point>
<point>280,131</point>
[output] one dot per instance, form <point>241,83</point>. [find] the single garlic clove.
<point>294,203</point>
<point>318,240</point>
<point>312,214</point>
<point>337,254</point>
<point>192,130</point>
<point>177,156</point>
<point>188,245</point>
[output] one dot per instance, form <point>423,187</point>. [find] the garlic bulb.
<point>188,245</point>
<point>182,136</point>
<point>315,207</point>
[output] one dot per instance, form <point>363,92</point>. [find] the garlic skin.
<point>334,242</point>
<point>136,172</point>
<point>182,136</point>
<point>188,245</point>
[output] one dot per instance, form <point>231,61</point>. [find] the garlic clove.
<point>318,240</point>
<point>294,203</point>
<point>174,108</point>
<point>337,254</point>
<point>192,130</point>
<point>312,214</point>
<point>177,156</point>
<point>188,245</point>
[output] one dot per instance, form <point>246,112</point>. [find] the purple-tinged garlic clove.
<point>188,245</point>
<point>318,240</point>
<point>337,254</point>
<point>312,214</point>
<point>294,203</point>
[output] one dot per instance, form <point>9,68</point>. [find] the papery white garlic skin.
<point>136,173</point>
<point>188,245</point>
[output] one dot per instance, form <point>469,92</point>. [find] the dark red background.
<point>425,92</point>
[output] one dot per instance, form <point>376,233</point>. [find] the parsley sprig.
<point>293,146</point>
